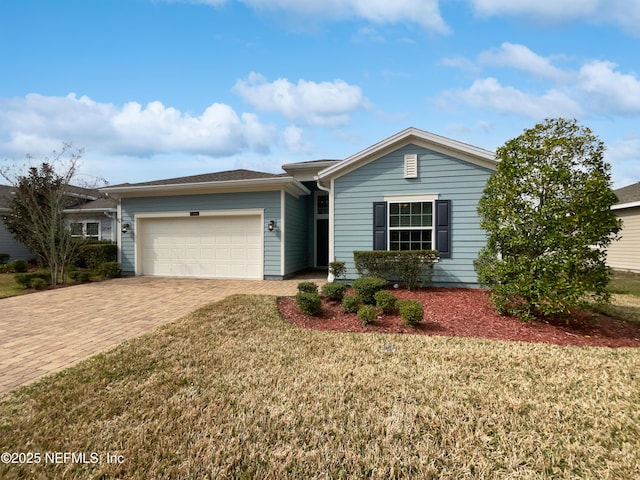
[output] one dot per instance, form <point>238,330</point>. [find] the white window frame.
<point>84,229</point>
<point>427,198</point>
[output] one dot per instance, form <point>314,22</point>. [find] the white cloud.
<point>326,104</point>
<point>522,58</point>
<point>609,91</point>
<point>293,139</point>
<point>625,13</point>
<point>489,93</point>
<point>425,13</point>
<point>594,88</point>
<point>36,122</point>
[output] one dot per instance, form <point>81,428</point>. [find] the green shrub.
<point>337,269</point>
<point>109,270</point>
<point>334,291</point>
<point>4,258</point>
<point>20,266</point>
<point>366,288</point>
<point>26,279</point>
<point>351,303</point>
<point>386,301</point>
<point>408,266</point>
<point>411,311</point>
<point>5,268</point>
<point>93,255</point>
<point>309,303</point>
<point>38,283</point>
<point>367,314</point>
<point>307,287</point>
<point>83,276</point>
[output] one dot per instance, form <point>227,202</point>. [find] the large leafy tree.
<point>547,213</point>
<point>36,215</point>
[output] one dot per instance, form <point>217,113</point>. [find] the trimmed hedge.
<point>27,279</point>
<point>366,288</point>
<point>20,266</point>
<point>351,303</point>
<point>109,270</point>
<point>408,266</point>
<point>411,311</point>
<point>367,314</point>
<point>387,302</point>
<point>307,287</point>
<point>309,303</point>
<point>334,291</point>
<point>93,255</point>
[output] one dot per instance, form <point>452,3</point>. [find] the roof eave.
<point>620,206</point>
<point>289,183</point>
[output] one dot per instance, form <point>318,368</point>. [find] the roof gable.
<point>437,143</point>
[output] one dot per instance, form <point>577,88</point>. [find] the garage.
<point>207,246</point>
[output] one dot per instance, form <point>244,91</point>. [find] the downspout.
<point>330,276</point>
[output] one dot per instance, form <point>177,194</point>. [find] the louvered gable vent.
<point>411,165</point>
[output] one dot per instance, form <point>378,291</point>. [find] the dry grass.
<point>9,287</point>
<point>625,283</point>
<point>232,391</point>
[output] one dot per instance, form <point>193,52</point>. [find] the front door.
<point>321,214</point>
<point>322,242</point>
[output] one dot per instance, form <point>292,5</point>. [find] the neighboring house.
<point>413,190</point>
<point>624,254</point>
<point>91,215</point>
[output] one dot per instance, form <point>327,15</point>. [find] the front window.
<point>410,225</point>
<point>85,230</point>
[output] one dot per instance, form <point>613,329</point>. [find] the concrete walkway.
<point>44,332</point>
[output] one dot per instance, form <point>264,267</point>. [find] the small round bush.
<point>83,276</point>
<point>386,301</point>
<point>109,270</point>
<point>307,287</point>
<point>20,266</point>
<point>367,314</point>
<point>334,291</point>
<point>38,283</point>
<point>351,303</point>
<point>366,288</point>
<point>309,303</point>
<point>411,311</point>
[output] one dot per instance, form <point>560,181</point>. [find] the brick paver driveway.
<point>45,332</point>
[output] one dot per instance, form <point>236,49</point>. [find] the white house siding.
<point>450,178</point>
<point>624,254</point>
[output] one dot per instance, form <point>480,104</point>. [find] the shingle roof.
<point>227,176</point>
<point>94,199</point>
<point>628,194</point>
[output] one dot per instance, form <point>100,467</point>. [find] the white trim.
<point>118,224</point>
<point>421,138</point>
<point>427,197</point>
<point>318,216</point>
<point>138,217</point>
<point>620,206</point>
<point>290,184</point>
<point>84,222</point>
<point>282,231</point>
<point>332,220</point>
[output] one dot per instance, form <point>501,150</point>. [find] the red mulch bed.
<point>459,312</point>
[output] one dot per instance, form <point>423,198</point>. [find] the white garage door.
<point>216,247</point>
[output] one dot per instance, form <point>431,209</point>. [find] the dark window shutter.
<point>443,228</point>
<point>379,225</point>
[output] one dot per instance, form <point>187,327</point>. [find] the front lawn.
<point>233,391</point>
<point>9,287</point>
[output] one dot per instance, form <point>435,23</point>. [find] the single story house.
<point>90,215</point>
<point>624,254</point>
<point>413,190</point>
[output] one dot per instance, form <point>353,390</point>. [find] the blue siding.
<point>269,201</point>
<point>451,178</point>
<point>8,244</point>
<point>296,234</point>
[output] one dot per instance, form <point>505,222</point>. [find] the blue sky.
<point>156,88</point>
